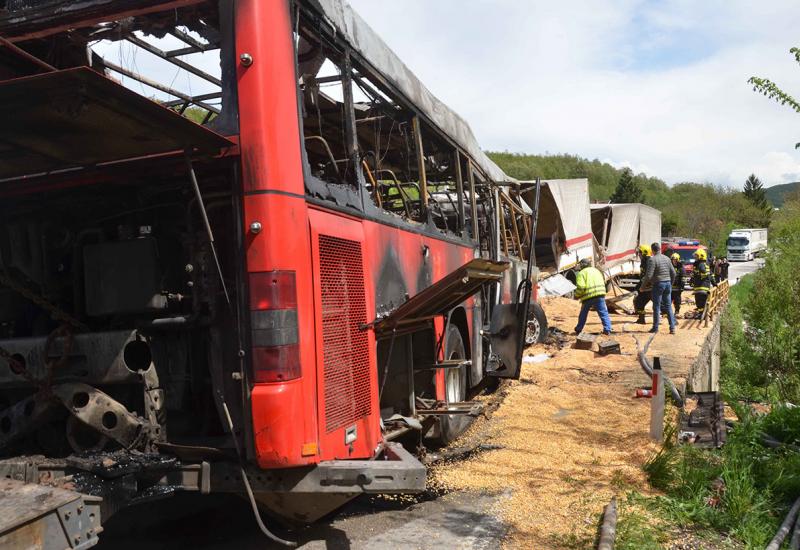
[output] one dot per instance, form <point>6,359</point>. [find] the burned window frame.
<point>69,47</point>
<point>360,199</point>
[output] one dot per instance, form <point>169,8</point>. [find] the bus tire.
<point>455,389</point>
<point>536,332</point>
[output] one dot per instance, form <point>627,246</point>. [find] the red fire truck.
<point>262,299</point>
<point>685,248</point>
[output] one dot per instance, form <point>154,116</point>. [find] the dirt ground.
<point>570,432</point>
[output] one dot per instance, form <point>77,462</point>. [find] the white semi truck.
<point>745,244</point>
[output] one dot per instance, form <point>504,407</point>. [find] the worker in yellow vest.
<point>591,291</point>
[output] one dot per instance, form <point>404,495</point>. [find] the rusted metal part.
<point>99,121</point>
<point>155,404</point>
<point>32,59</point>
<point>172,59</point>
<point>39,18</point>
<point>704,426</point>
<point>160,87</point>
<point>35,516</point>
<point>106,350</point>
<point>105,415</point>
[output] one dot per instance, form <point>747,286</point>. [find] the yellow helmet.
<point>676,256</point>
<point>700,254</point>
<point>645,250</point>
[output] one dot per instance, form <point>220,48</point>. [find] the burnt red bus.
<point>262,295</point>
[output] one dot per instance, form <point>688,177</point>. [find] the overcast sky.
<point>658,86</point>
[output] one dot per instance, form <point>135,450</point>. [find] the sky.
<point>660,87</point>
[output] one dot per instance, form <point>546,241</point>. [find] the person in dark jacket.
<point>659,276</point>
<point>678,283</point>
<point>643,294</point>
<point>702,281</point>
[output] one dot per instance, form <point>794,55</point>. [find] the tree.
<point>627,190</point>
<point>754,191</point>
<point>771,90</point>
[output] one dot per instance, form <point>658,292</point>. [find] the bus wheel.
<point>536,332</point>
<point>455,389</point>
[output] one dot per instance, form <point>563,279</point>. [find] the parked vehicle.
<point>262,304</point>
<point>744,245</point>
<point>685,248</point>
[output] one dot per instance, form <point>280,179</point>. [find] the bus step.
<point>449,364</point>
<point>472,408</point>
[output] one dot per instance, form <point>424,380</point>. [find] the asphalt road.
<point>457,520</point>
<point>740,269</point>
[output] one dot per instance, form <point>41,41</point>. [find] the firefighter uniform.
<point>702,281</point>
<point>678,283</point>
<point>591,291</point>
<point>643,296</point>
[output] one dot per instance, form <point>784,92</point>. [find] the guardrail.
<point>717,298</point>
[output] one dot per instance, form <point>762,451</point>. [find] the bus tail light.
<point>273,321</point>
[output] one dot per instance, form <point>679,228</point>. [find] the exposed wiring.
<point>247,487</point>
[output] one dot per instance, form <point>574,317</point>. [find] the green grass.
<point>742,490</point>
<point>637,527</point>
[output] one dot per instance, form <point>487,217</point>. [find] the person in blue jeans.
<point>591,291</point>
<point>661,274</point>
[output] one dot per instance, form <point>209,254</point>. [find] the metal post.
<point>473,203</point>
<point>460,194</point>
<point>159,86</point>
<point>25,55</point>
<point>350,128</point>
<point>657,402</point>
<point>423,179</point>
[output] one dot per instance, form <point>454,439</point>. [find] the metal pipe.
<point>191,41</point>
<point>648,369</point>
<point>328,150</point>
<point>25,55</point>
<point>423,178</point>
<point>783,530</point>
<point>202,97</point>
<point>198,195</point>
<point>608,531</point>
<point>159,86</point>
<point>133,39</point>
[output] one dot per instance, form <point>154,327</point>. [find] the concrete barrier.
<point>704,372</point>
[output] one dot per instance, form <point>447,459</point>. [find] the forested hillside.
<point>704,211</point>
<point>777,193</point>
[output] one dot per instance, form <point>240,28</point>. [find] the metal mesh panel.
<point>345,345</point>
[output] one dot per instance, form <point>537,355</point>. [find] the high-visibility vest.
<point>590,283</point>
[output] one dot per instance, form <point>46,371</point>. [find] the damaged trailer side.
<point>564,233</point>
<point>619,230</point>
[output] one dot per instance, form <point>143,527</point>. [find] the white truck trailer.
<point>564,229</point>
<point>746,244</point>
<point>619,229</point>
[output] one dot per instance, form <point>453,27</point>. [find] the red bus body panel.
<point>290,425</point>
